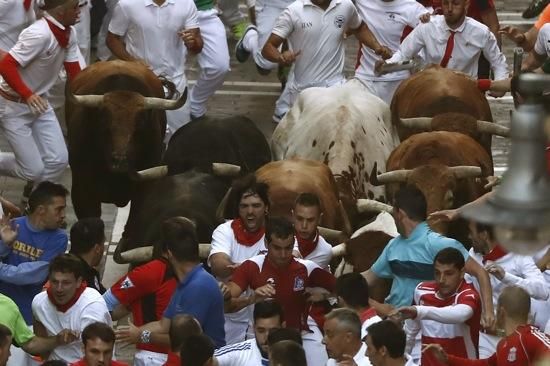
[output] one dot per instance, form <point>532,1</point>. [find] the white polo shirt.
<point>471,40</point>
<point>386,20</point>
<point>244,353</point>
<point>151,33</point>
<point>318,34</point>
<point>542,45</point>
<point>89,308</point>
<point>40,56</point>
<point>360,358</point>
<point>13,19</point>
<point>224,241</point>
<point>321,255</point>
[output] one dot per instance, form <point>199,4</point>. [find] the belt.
<point>4,94</point>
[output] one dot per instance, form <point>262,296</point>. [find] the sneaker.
<point>277,118</point>
<point>237,30</point>
<point>241,54</point>
<point>535,8</point>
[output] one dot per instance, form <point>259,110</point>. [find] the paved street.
<point>247,93</point>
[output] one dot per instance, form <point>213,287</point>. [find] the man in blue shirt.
<point>408,258</point>
<point>29,243</point>
<point>198,293</point>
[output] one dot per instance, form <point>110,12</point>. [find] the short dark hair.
<point>308,199</point>
<point>196,350</point>
<point>181,327</point>
<point>283,334</point>
<point>246,186</point>
<point>268,309</point>
<point>450,255</point>
<point>44,192</point>
<point>411,200</point>
<point>5,333</point>
<point>354,289</point>
<point>487,228</point>
<point>98,330</point>
<point>54,363</point>
<point>179,236</point>
<point>85,234</point>
<point>66,263</point>
<point>388,334</point>
<point>279,227</point>
<point>287,353</point>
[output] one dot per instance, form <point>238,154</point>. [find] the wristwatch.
<point>145,336</point>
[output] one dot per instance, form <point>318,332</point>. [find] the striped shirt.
<point>244,353</point>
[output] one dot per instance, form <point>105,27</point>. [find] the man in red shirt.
<point>280,276</point>
<point>523,345</point>
<point>98,340</point>
<point>447,310</point>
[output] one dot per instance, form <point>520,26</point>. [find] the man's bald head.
<point>516,302</point>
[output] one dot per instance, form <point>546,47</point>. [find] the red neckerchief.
<point>62,35</point>
<point>367,314</point>
<point>27,4</point>
<point>307,246</point>
<point>496,253</point>
<point>244,236</point>
<point>67,306</point>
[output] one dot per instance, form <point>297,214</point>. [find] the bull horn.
<point>143,254</point>
<point>220,211</point>
<point>461,172</point>
<point>422,123</point>
<point>493,128</point>
<point>225,170</point>
<point>365,205</point>
<point>492,181</point>
<point>166,104</point>
<point>204,250</point>
<point>153,173</point>
<point>339,250</point>
<point>86,100</point>
<point>331,235</point>
<point>394,176</point>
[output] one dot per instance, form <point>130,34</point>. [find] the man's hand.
<point>495,270</point>
<point>437,351</point>
<point>383,51</point>
<point>265,291</point>
<point>381,309</point>
<point>488,321</point>
<point>190,39</point>
<point>425,18</point>
<point>378,67</point>
<point>444,215</point>
<point>37,104</point>
<point>7,233</point>
<point>405,312</point>
<point>66,336</point>
<point>10,208</point>
<point>514,34</point>
<point>288,57</point>
<point>347,360</point>
<point>128,334</point>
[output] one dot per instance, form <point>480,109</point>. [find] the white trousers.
<point>316,353</point>
<point>382,89</point>
<point>39,150</point>
<point>148,358</point>
<point>213,61</point>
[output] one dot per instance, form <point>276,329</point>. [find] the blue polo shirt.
<point>409,261</point>
<point>199,295</point>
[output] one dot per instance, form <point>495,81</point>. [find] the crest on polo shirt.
<point>126,284</point>
<point>339,21</point>
<point>298,284</point>
<point>512,354</point>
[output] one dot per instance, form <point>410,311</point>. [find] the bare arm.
<point>192,39</point>
<point>271,51</point>
<point>533,61</point>
<point>118,48</point>
<point>365,36</point>
<point>44,345</point>
<point>221,264</point>
<point>378,287</point>
<point>524,40</point>
<point>234,289</point>
<point>159,332</point>
<point>486,291</point>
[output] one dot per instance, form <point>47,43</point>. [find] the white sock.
<point>250,41</point>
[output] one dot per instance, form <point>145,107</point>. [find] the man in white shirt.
<point>306,216</point>
<point>454,41</point>
<point>343,338</point>
<point>67,304</point>
<point>315,31</point>
<point>15,15</point>
<point>387,19</point>
<point>540,52</point>
<point>268,315</point>
<point>386,345</point>
<point>236,241</point>
<point>505,269</point>
<point>155,32</point>
<point>28,71</point>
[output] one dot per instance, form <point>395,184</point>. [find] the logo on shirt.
<point>512,354</point>
<point>307,25</point>
<point>391,16</point>
<point>339,21</point>
<point>126,284</point>
<point>298,284</point>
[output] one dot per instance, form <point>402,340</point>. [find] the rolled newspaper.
<point>396,66</point>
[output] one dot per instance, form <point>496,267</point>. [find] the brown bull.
<point>451,97</point>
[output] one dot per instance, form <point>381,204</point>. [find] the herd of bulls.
<point>342,143</point>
